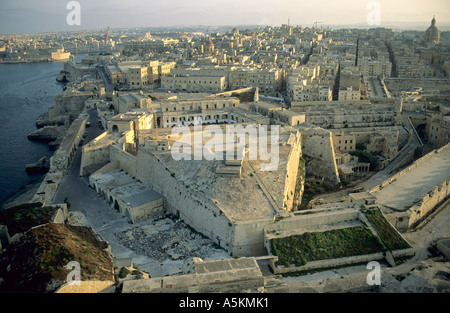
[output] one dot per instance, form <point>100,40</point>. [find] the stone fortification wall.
<point>95,156</point>
<point>60,162</point>
<point>248,237</point>
<point>353,118</point>
<point>295,225</point>
<point>300,222</point>
<point>127,161</point>
<point>295,174</point>
<point>69,103</point>
<point>318,148</point>
<point>312,218</point>
<point>431,200</point>
<point>198,211</point>
<point>64,154</point>
<point>73,71</point>
<point>330,263</point>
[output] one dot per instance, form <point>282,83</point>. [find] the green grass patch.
<point>391,238</point>
<point>332,244</point>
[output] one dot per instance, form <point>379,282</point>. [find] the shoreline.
<point>24,195</point>
<point>31,62</point>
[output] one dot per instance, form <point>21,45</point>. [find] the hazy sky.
<point>18,16</point>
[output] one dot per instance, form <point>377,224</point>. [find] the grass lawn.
<point>390,237</point>
<point>332,244</point>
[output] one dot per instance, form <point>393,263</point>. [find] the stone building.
<point>350,84</point>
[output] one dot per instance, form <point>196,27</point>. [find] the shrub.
<point>123,272</point>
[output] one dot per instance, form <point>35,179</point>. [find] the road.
<point>109,87</point>
<point>374,88</point>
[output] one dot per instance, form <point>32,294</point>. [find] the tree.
<point>364,156</point>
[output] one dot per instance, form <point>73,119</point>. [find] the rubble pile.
<point>166,239</point>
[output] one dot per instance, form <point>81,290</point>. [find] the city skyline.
<point>50,15</point>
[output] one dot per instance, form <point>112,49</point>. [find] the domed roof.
<point>432,34</point>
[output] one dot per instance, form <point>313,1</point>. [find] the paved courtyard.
<point>411,187</point>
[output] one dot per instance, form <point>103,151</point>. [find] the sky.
<point>28,16</point>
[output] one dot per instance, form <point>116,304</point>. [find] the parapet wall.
<point>430,201</point>
<point>322,264</point>
<point>60,162</point>
<point>300,222</point>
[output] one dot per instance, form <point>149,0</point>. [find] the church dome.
<point>432,34</point>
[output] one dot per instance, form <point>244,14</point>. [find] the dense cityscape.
<point>158,176</point>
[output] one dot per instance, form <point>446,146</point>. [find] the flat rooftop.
<point>414,184</point>
<point>126,188</point>
<point>249,197</point>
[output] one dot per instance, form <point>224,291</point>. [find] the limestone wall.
<point>420,210</point>
<point>248,237</point>
<point>303,221</point>
<point>317,146</point>
<point>93,159</point>
<point>198,211</point>
<point>90,286</point>
<point>95,155</point>
<point>61,214</point>
<point>127,161</point>
<point>139,213</point>
<point>295,172</point>
<point>69,103</point>
<point>430,201</point>
<point>73,71</point>
<point>60,162</point>
<point>330,263</point>
<point>63,156</point>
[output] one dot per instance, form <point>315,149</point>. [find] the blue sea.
<point>26,92</point>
